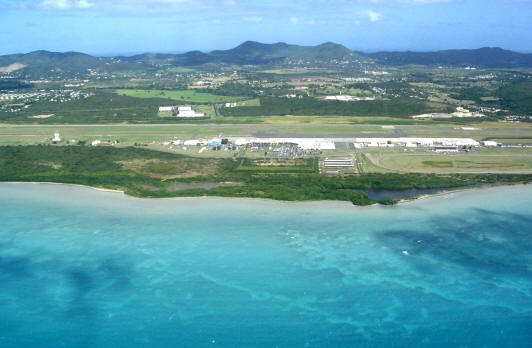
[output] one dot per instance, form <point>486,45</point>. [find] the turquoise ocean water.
<point>85,268</point>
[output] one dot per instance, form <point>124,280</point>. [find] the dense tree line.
<point>309,106</point>
<point>14,84</point>
<point>233,89</point>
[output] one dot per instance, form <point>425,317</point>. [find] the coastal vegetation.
<point>145,173</point>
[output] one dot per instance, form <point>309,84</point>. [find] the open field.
<point>127,135</point>
<point>181,96</point>
<point>249,102</point>
<point>522,140</point>
<point>365,165</point>
<point>459,163</point>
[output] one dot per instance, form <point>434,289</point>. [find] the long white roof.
<point>424,141</point>
<point>304,143</point>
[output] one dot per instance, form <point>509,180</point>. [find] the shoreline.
<point>397,203</point>
<point>455,190</point>
<point>66,184</point>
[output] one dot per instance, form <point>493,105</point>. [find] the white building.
<point>56,137</point>
<point>490,143</point>
<point>303,143</point>
<point>445,149</point>
<point>192,142</point>
<point>338,163</point>
<point>96,142</point>
<point>166,108</point>
<point>186,111</point>
<point>409,142</point>
<point>347,98</point>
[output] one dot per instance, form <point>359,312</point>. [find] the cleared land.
<point>442,163</point>
<point>182,96</point>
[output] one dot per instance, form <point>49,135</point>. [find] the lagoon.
<point>85,268</point>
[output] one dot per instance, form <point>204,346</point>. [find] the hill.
<point>251,53</point>
<point>39,63</point>
<point>487,57</point>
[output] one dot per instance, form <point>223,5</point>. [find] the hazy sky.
<point>132,26</point>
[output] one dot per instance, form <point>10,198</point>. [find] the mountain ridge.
<point>257,53</point>
<point>487,57</point>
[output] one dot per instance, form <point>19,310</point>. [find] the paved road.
<point>336,132</point>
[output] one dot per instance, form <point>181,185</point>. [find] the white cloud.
<point>56,4</point>
<point>425,1</point>
<point>254,19</point>
<point>411,1</point>
<point>84,4</point>
<point>294,20</point>
<point>65,4</point>
<point>373,16</point>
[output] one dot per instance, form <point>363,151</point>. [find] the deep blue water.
<point>84,268</point>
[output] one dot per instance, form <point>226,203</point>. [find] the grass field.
<point>479,134</point>
<point>278,165</point>
<point>127,135</point>
<point>182,96</point>
<point>460,163</point>
<point>365,165</point>
<point>249,102</point>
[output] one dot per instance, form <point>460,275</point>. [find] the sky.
<point>107,27</point>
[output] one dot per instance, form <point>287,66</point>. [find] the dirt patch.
<point>172,169</point>
<point>201,185</point>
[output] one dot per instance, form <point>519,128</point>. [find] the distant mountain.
<point>44,63</point>
<point>38,63</point>
<point>487,57</point>
<point>253,53</point>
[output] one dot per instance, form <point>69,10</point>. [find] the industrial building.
<point>413,142</point>
<point>338,163</point>
<point>445,149</point>
<point>181,111</point>
<point>303,143</point>
<point>187,111</point>
<point>490,143</point>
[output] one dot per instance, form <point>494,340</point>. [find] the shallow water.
<point>84,268</point>
<point>400,194</point>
